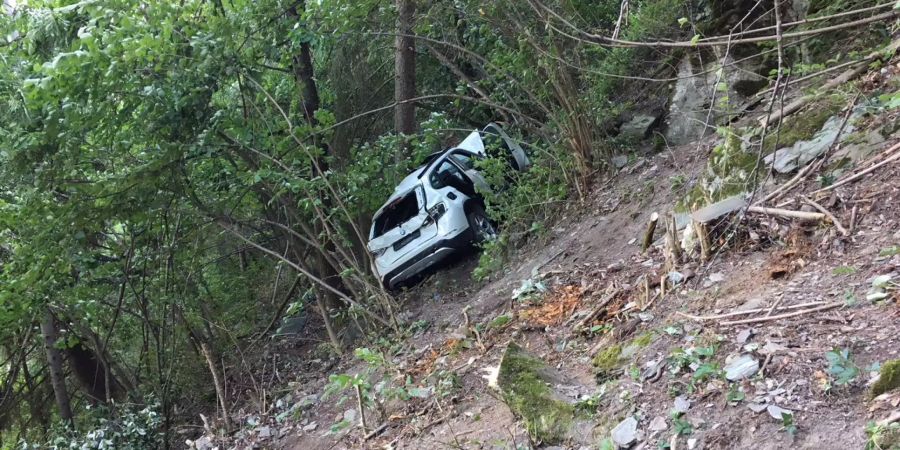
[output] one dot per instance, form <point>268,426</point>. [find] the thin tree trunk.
<point>50,331</point>
<point>217,381</point>
<point>405,68</point>
<point>329,325</point>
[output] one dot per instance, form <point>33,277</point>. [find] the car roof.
<point>472,143</point>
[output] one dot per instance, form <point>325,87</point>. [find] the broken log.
<point>651,228</point>
<point>787,213</point>
<point>830,216</point>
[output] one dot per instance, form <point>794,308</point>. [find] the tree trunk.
<point>405,68</point>
<point>217,381</point>
<point>50,331</point>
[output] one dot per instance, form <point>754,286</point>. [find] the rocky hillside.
<point>767,319</point>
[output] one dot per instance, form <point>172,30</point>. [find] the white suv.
<point>436,210</point>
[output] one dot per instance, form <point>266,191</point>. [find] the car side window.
<point>446,174</point>
<point>465,161</point>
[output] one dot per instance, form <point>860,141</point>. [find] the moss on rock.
<point>607,361</point>
<point>523,382</point>
<point>804,125</point>
<point>889,378</point>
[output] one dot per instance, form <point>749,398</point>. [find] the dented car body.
<point>437,210</point>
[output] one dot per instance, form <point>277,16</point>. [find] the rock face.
<point>690,109</point>
<point>535,393</point>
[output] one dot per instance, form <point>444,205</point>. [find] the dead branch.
<point>831,216</point>
<point>787,213</point>
<point>597,310</point>
<point>844,77</point>
<point>813,165</point>
<point>783,316</point>
<point>859,175</point>
<point>749,311</point>
<point>714,41</point>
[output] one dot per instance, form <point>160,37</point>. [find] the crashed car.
<point>437,210</point>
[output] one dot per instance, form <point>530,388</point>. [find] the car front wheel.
<point>482,228</point>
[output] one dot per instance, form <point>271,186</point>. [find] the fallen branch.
<point>813,165</point>
<point>783,316</point>
<point>831,216</point>
<point>844,77</point>
<point>749,311</point>
<point>597,310</point>
<point>376,431</point>
<point>859,175</point>
<point>787,213</point>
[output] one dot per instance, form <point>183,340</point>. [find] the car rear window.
<point>397,212</point>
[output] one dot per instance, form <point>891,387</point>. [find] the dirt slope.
<point>597,247</point>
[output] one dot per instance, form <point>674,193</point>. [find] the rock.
<point>756,407</point>
<point>686,108</point>
<point>264,432</point>
<point>658,424</point>
<point>888,378</point>
<point>744,336</point>
<point>692,443</point>
<point>689,108</point>
<point>311,427</point>
<point>776,412</point>
<point>741,367</point>
<point>638,127</point>
<point>620,161</point>
<point>625,433</point>
<point>788,159</point>
<point>682,404</point>
<point>202,443</point>
<point>535,393</point>
<point>719,209</point>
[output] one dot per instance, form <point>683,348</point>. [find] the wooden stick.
<point>853,218</point>
<point>844,77</point>
<point>831,216</point>
<point>362,412</point>
<point>597,310</point>
<point>787,213</point>
<point>376,431</point>
<point>749,311</point>
<point>672,229</point>
<point>783,316</point>
<point>651,228</point>
<point>858,175</point>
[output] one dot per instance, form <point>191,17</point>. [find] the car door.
<point>511,150</point>
<point>466,162</point>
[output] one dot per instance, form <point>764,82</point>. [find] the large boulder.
<point>709,94</point>
<point>543,398</point>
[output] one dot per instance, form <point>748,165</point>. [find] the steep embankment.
<point>656,360</point>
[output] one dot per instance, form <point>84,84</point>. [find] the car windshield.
<point>398,211</point>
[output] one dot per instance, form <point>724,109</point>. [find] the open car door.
<point>493,142</point>
<point>498,144</point>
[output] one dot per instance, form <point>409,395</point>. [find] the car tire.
<point>483,230</point>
